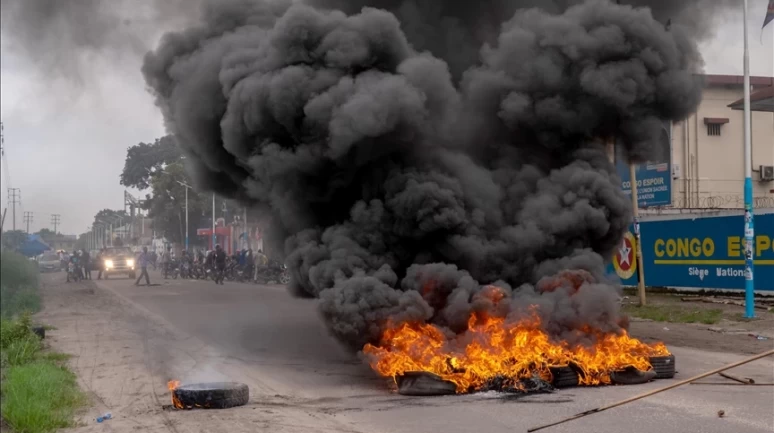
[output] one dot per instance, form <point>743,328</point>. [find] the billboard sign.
<point>702,252</point>
<point>654,179</point>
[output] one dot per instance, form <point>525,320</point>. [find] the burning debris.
<point>455,221</point>
<point>217,395</point>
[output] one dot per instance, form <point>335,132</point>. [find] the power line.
<point>14,198</point>
<point>55,219</point>
<point>4,157</point>
<point>28,220</point>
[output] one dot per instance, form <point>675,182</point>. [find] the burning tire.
<point>422,383</point>
<point>664,366</point>
<point>564,377</point>
<point>218,395</point>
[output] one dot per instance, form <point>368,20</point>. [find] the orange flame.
<point>492,347</point>
<point>172,385</point>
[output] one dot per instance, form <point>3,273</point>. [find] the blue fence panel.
<point>705,252</point>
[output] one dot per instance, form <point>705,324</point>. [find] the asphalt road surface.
<point>283,343</point>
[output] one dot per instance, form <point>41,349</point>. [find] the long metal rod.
<point>749,226</point>
<point>656,391</point>
<point>186,218</point>
<point>637,238</point>
<point>214,239</point>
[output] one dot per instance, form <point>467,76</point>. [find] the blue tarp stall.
<point>33,246</point>
<point>693,251</point>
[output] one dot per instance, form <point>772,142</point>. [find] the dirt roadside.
<point>124,356</point>
<point>729,333</point>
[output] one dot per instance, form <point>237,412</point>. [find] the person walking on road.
<point>220,264</point>
<point>86,264</point>
<point>100,263</point>
<point>166,260</point>
<point>143,262</point>
<point>261,261</point>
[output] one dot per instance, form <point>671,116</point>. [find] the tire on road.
<point>284,278</point>
<point>216,395</point>
<point>424,384</point>
<point>132,275</point>
<point>40,331</point>
<point>564,377</point>
<point>664,366</point>
<point>632,376</point>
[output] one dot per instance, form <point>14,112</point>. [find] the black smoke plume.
<point>399,192</point>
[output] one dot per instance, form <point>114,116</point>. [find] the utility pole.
<point>187,187</point>
<point>246,230</point>
<point>55,218</point>
<point>214,239</point>
<point>28,220</point>
<point>14,198</point>
<point>749,227</point>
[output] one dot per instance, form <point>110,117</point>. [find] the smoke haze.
<point>402,182</point>
<point>55,35</point>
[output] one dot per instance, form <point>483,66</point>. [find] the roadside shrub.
<point>18,285</point>
<point>18,344</point>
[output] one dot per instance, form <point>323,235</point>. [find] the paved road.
<point>282,341</point>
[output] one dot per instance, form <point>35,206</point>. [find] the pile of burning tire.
<point>566,377</point>
<point>420,383</point>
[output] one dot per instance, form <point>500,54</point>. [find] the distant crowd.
<point>244,265</point>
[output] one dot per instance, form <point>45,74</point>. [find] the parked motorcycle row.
<point>275,272</point>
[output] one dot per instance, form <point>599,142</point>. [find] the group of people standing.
<point>216,259</point>
<point>82,261</point>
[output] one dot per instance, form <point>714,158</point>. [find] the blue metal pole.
<point>749,253</point>
<point>749,227</point>
<point>186,218</point>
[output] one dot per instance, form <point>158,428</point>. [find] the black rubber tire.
<point>424,384</point>
<point>564,377</point>
<point>40,331</point>
<point>132,275</point>
<point>217,395</point>
<point>664,366</point>
<point>632,376</point>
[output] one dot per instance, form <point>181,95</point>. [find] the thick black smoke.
<point>397,192</point>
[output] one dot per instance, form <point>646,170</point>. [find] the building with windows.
<point>707,166</point>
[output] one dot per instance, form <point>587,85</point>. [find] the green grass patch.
<point>675,314</point>
<point>40,397</point>
<point>38,394</point>
<point>18,285</point>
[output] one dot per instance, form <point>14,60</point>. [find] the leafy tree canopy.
<point>145,159</point>
<point>46,234</point>
<point>107,215</point>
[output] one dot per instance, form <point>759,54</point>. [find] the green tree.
<point>108,215</point>
<point>143,160</point>
<point>46,234</point>
<point>13,239</point>
<point>167,203</point>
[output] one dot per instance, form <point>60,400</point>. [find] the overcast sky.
<point>66,143</point>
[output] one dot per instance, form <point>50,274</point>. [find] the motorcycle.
<point>73,273</point>
<point>273,272</point>
<point>185,270</point>
<point>172,270</point>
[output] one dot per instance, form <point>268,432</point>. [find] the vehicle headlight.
<point>130,263</point>
<point>108,263</point>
